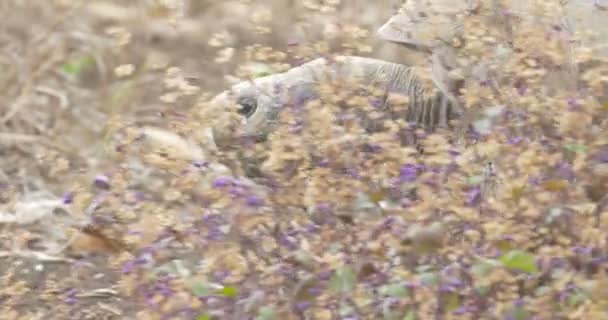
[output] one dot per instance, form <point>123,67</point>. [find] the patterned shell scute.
<point>426,23</point>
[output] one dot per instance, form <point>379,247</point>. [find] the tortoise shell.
<point>424,24</point>
<point>432,25</point>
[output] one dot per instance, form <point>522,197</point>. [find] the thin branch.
<point>41,256</point>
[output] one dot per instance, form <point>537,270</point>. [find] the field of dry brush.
<point>115,205</point>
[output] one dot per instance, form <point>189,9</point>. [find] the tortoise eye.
<point>247,107</point>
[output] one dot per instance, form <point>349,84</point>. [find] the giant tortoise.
<point>425,25</point>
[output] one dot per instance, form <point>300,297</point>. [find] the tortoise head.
<point>248,109</point>
<point>252,108</point>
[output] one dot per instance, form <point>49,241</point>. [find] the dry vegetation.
<point>104,217</point>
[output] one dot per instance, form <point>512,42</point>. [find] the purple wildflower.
<point>454,283</point>
<point>408,173</point>
<point>462,310</point>
<point>352,172</point>
<point>311,227</point>
<point>522,89</point>
<point>287,271</point>
<point>535,181</point>
<point>164,289</point>
<point>70,296</point>
<point>237,191</point>
<point>573,104</point>
<point>371,148</point>
<point>222,182</point>
<point>602,156</point>
<point>302,305</point>
<point>324,208</point>
<point>323,163</point>
<point>454,152</point>
<point>325,275</point>
<point>406,203</point>
<point>566,172</point>
<point>515,140</point>
<point>149,298</point>
<point>473,196</point>
<point>211,219</point>
<point>68,197</point>
<point>200,164</point>
<point>297,127</point>
<point>376,103</point>
<point>102,181</point>
<point>315,291</point>
<point>254,201</point>
<point>221,275</point>
<point>286,242</point>
<point>556,262</point>
<point>129,266</point>
<point>214,234</point>
<point>598,261</point>
<point>141,196</point>
<point>581,250</point>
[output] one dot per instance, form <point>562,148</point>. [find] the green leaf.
<point>482,126</point>
<point>482,290</point>
<point>201,289</point>
<point>262,74</point>
<point>576,147</point>
<point>77,66</point>
<point>203,316</point>
<point>475,180</point>
<point>424,268</point>
<point>229,291</point>
<point>364,201</point>
<point>377,196</point>
<point>410,315</point>
<point>335,247</point>
<point>519,260</point>
<point>344,280</point>
<point>394,290</point>
<point>517,192</point>
<point>558,273</point>
<point>305,258</point>
<point>495,111</point>
<point>266,313</point>
<point>452,301</point>
<point>429,278</point>
<point>484,266</point>
<point>576,298</point>
<point>519,313</point>
<point>345,310</point>
<point>174,267</point>
<point>540,291</point>
<point>503,244</point>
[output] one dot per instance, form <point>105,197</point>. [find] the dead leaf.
<point>555,185</point>
<point>303,288</point>
<point>92,240</point>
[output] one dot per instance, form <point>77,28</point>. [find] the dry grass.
<point>101,222</point>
